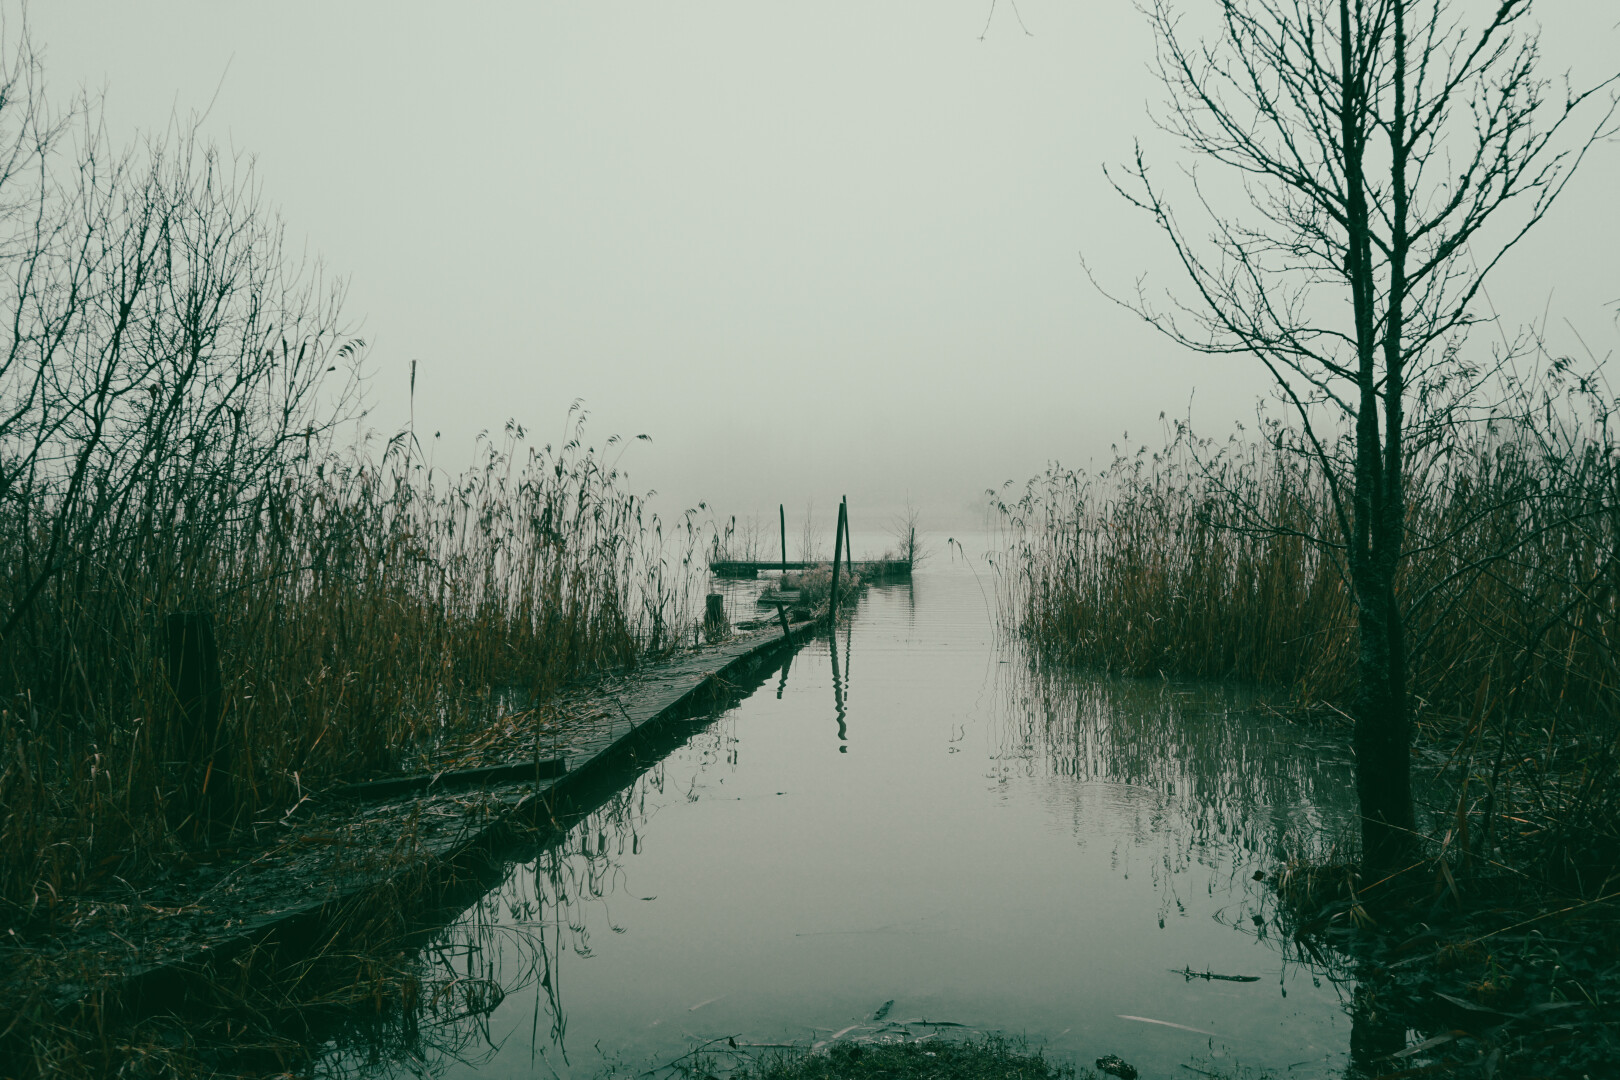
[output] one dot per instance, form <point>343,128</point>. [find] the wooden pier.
<point>870,569</point>
<point>729,568</point>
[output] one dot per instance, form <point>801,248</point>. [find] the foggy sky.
<point>811,249</point>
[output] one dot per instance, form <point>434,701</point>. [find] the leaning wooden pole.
<point>781,609</point>
<point>838,547</point>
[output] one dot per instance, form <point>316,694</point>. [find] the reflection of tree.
<point>1216,782</point>
<point>1219,784</point>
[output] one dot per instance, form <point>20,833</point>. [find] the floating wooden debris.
<point>1189,974</point>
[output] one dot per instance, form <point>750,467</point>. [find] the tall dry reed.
<point>364,612</point>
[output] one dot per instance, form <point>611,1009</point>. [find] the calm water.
<point>912,815</point>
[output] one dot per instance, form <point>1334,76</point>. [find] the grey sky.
<point>809,248</point>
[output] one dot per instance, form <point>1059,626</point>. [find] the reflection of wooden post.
<point>838,684</point>
<point>191,656</point>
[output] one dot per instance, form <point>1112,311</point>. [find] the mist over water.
<point>810,251</point>
<point>914,812</point>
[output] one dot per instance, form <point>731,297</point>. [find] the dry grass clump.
<point>990,1057</point>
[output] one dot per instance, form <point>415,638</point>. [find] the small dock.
<point>882,568</point>
<point>721,565</point>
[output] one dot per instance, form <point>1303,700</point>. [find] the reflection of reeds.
<point>514,939</point>
<point>517,936</point>
<point>1226,782</point>
<point>440,993</point>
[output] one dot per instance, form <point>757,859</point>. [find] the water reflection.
<point>838,694</point>
<point>1005,847</point>
<point>434,1002</point>
<point>787,665</point>
<point>1220,785</point>
<point>1213,771</point>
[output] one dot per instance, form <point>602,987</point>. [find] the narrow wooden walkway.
<point>410,843</point>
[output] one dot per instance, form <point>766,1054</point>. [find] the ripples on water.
<point>914,812</point>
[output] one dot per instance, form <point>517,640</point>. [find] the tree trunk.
<point>1383,736</point>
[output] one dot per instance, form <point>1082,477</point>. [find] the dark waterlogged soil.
<point>1483,977</point>
<point>991,1058</point>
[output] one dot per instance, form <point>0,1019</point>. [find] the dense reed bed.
<point>173,385</point>
<point>1131,570</point>
<point>363,612</point>
<point>1217,561</point>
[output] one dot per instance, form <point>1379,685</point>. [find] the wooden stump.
<point>191,659</point>
<point>716,626</point>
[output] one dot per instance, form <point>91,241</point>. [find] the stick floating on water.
<point>1168,1024</point>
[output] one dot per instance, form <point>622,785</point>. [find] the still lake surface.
<point>913,813</point>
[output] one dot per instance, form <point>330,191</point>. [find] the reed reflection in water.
<point>1222,780</point>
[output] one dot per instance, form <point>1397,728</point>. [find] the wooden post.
<point>781,609</point>
<point>838,546</point>
<point>715,624</point>
<point>849,548</point>
<point>191,657</point>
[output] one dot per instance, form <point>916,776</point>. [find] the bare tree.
<point>1387,156</point>
<point>162,356</point>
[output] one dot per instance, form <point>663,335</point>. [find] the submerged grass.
<point>990,1058</point>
